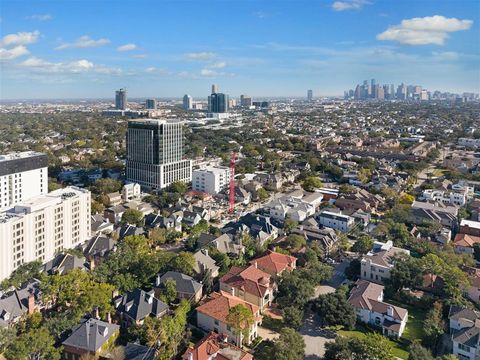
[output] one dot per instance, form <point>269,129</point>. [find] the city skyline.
<point>61,50</point>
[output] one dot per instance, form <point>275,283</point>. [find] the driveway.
<point>267,334</point>
<point>315,337</point>
<point>338,274</point>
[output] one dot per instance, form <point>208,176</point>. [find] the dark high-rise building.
<point>121,99</point>
<point>155,153</point>
<point>150,104</point>
<point>187,102</point>
<point>218,103</point>
<point>245,101</point>
<point>310,95</point>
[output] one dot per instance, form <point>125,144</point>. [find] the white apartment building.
<point>155,153</point>
<point>447,197</point>
<point>22,176</point>
<point>38,228</point>
<point>211,179</point>
<point>336,221</point>
<point>131,191</point>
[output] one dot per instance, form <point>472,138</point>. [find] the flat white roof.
<point>19,155</point>
<point>470,223</point>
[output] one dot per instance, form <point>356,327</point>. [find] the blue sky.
<point>87,49</point>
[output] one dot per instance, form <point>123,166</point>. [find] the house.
<point>378,262</point>
<point>438,212</point>
<point>464,327</point>
<point>288,206</point>
<point>473,290</point>
<point>100,226</point>
<point>62,263</point>
<point>136,305</point>
<point>114,198</point>
<point>191,218</point>
<point>138,352</point>
<point>170,223</point>
<point>19,303</point>
<point>97,248</point>
<point>187,287</point>
<point>114,213</point>
<point>275,263</point>
<point>223,243</point>
<point>464,243</point>
<point>131,191</point>
<point>367,300</point>
<point>91,337</point>
<point>250,284</point>
<point>215,347</point>
<point>129,230</point>
<point>272,182</point>
<point>470,227</point>
<point>205,264</point>
<point>212,316</point>
<point>311,232</point>
<point>335,220</point>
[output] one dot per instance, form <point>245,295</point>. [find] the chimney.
<point>109,318</point>
<point>92,264</point>
<point>96,313</point>
<point>255,264</point>
<point>190,356</point>
<point>31,304</point>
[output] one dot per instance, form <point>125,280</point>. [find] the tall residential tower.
<point>155,153</point>
<point>121,99</point>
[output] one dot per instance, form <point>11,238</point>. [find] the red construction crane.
<point>231,194</point>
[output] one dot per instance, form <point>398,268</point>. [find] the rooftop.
<point>19,155</point>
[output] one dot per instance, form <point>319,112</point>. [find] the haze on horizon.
<point>166,49</point>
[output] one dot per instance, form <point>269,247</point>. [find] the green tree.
<point>418,352</point>
<point>262,194</point>
<point>290,345</point>
<point>311,183</point>
<point>178,187</point>
<point>22,274</point>
<point>97,207</point>
<point>373,347</point>
<point>296,242</point>
<point>169,291</point>
<point>334,309</point>
<point>35,344</point>
<point>363,245</point>
<point>406,273</point>
<point>184,262</point>
<point>132,217</point>
<point>292,317</point>
<point>106,186</point>
<point>157,236</point>
<point>294,290</point>
<point>289,225</point>
<point>240,319</point>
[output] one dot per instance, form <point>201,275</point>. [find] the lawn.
<point>399,350</point>
<point>416,319</point>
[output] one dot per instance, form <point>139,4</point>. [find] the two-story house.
<point>367,300</point>
<point>249,284</point>
<point>377,263</point>
<point>464,327</point>
<point>213,312</point>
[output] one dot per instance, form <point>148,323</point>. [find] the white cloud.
<point>20,38</point>
<point>9,54</point>
<point>208,72</point>
<point>84,42</point>
<point>127,47</point>
<point>73,67</point>
<point>217,65</point>
<point>201,56</point>
<point>139,56</point>
<point>423,31</point>
<point>40,17</point>
<point>446,55</point>
<point>349,5</point>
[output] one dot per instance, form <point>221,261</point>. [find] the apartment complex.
<point>22,176</point>
<point>155,153</point>
<point>211,179</point>
<point>38,228</point>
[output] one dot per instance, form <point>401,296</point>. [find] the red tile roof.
<point>466,240</point>
<point>251,280</point>
<point>217,305</point>
<point>275,263</point>
<point>215,344</point>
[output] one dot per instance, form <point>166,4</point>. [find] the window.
<point>464,347</point>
